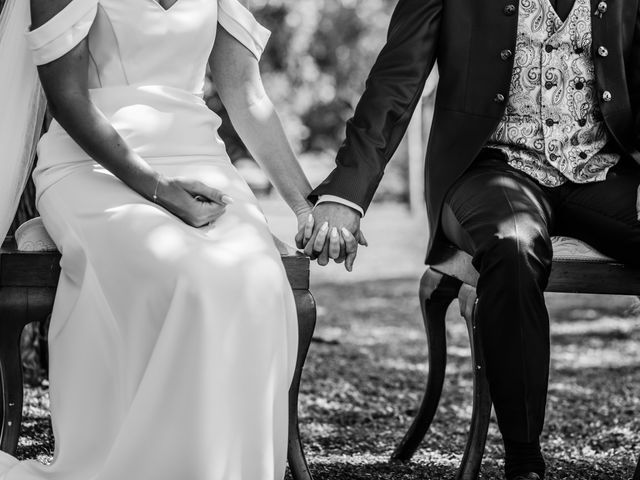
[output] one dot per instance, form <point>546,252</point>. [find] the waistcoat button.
<point>583,155</point>
<point>548,85</point>
<point>509,9</point>
<point>603,52</point>
<point>582,122</point>
<point>548,48</point>
<point>606,96</point>
<point>506,54</point>
<point>549,122</point>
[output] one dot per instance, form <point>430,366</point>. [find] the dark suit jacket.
<point>467,38</point>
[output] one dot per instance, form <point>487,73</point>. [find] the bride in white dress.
<point>173,337</point>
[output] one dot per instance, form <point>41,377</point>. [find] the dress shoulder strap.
<point>243,26</point>
<point>63,32</point>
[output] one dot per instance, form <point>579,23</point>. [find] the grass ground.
<point>366,370</point>
<point>365,378</point>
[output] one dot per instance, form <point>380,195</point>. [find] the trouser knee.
<point>516,261</point>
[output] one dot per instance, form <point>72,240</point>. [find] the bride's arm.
<point>65,82</point>
<point>237,78</point>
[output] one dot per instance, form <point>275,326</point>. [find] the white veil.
<point>22,107</point>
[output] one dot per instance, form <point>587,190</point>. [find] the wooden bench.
<point>28,282</point>
<point>577,268</point>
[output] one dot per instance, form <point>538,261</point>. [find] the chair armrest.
<point>9,243</point>
<point>295,263</point>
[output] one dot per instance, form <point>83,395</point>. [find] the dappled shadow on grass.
<point>433,469</point>
<point>363,468</point>
<point>361,391</point>
<point>366,372</point>
<point>566,468</point>
<point>37,439</point>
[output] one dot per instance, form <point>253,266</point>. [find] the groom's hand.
<point>335,234</point>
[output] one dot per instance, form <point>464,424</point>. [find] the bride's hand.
<point>192,201</point>
<point>305,225</point>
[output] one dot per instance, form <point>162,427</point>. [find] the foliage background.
<point>314,69</point>
<point>316,62</point>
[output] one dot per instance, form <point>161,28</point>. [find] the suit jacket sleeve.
<point>634,76</point>
<point>392,91</point>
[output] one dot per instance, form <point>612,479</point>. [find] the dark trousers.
<point>504,219</point>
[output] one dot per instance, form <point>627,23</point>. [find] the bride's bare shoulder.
<point>44,10</point>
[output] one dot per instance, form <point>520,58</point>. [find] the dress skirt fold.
<point>171,347</point>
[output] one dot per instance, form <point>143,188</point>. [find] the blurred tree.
<point>314,69</point>
<point>316,63</point>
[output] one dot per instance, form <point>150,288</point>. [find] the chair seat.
<point>42,268</point>
<point>569,249</point>
<point>577,267</point>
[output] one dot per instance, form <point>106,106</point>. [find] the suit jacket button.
<point>509,9</point>
<point>499,98</point>
<point>606,96</point>
<point>506,54</point>
<point>603,52</point>
<point>603,7</point>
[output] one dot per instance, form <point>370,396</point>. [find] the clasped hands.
<point>331,231</point>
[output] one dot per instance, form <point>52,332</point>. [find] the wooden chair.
<point>577,268</point>
<point>28,282</point>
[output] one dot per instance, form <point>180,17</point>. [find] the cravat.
<point>562,7</point>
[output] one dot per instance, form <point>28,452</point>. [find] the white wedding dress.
<point>171,348</point>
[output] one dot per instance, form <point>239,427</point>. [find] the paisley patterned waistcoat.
<point>553,128</point>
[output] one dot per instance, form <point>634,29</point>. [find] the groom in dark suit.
<point>535,133</point>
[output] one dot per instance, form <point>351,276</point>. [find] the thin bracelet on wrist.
<point>155,190</point>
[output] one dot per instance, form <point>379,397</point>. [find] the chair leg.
<point>13,317</point>
<point>474,450</point>
<point>437,291</point>
<point>306,324</point>
<point>19,306</point>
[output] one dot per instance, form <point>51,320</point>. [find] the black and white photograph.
<point>320,239</point>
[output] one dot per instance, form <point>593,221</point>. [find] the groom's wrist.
<point>341,201</point>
